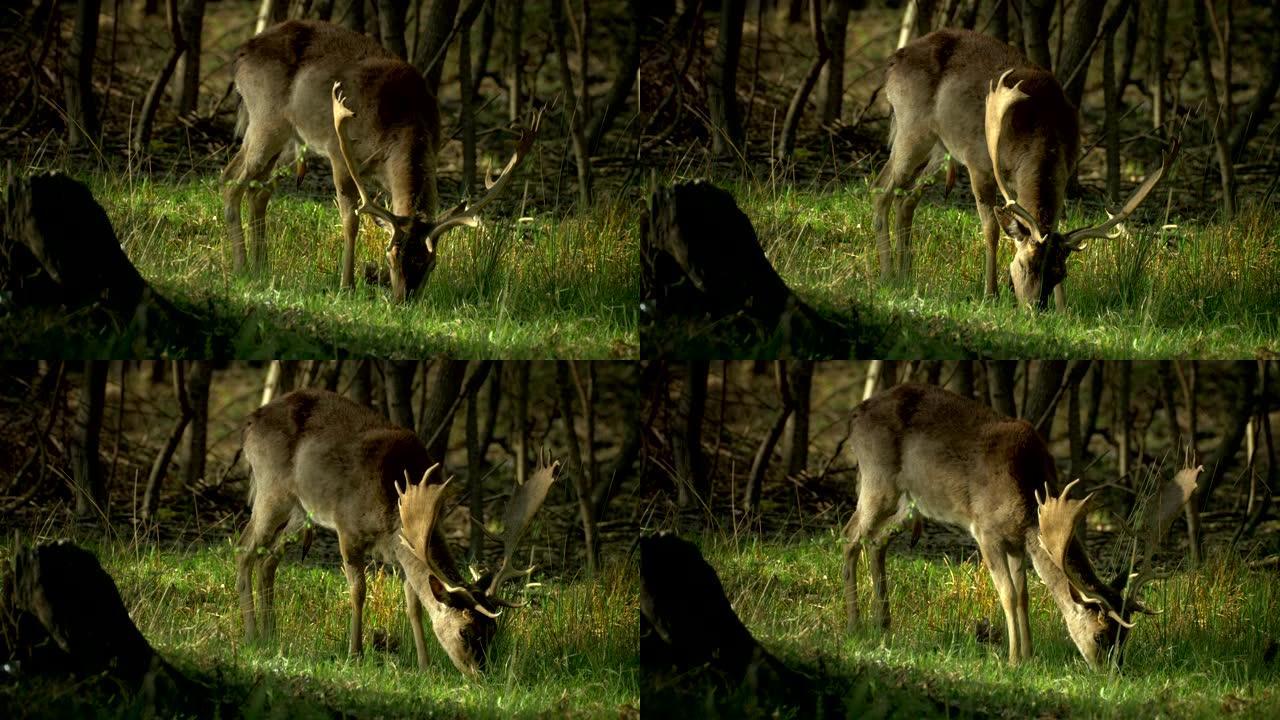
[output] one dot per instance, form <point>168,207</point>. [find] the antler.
<point>1058,517</point>
<point>420,507</point>
<point>469,214</point>
<point>1073,239</point>
<point>342,113</point>
<point>523,505</point>
<point>999,100</point>
<point>1161,511</point>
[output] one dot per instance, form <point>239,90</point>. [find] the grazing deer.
<point>370,113</point>
<point>996,113</point>
<point>959,462</point>
<point>315,455</point>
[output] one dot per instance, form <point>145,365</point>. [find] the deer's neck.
<point>1054,579</point>
<point>411,177</point>
<point>1042,184</point>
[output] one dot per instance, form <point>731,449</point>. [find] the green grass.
<point>572,652</point>
<point>1203,656</point>
<point>554,286</point>
<point>1201,290</point>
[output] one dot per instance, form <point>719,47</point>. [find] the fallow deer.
<point>317,456</point>
<point>956,461</point>
<point>367,111</point>
<point>981,101</point>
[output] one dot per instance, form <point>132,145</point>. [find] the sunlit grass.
<point>1202,289</point>
<point>572,652</point>
<point>1208,651</point>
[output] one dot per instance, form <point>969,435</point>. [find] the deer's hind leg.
<point>996,556</point>
<point>912,144</point>
<point>266,522</point>
<point>879,511</point>
<point>267,571</point>
<point>248,172</point>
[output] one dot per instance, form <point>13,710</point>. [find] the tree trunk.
<point>198,380</point>
<point>576,467</point>
<point>629,405</point>
<point>574,114</point>
<point>520,422</point>
<point>1000,378</point>
<point>1157,71</point>
<point>351,14</point>
<point>515,61</point>
<point>82,107</point>
<point>791,123</point>
<point>963,383</point>
<point>796,442</point>
<point>439,410</point>
<point>726,118</point>
<point>1035,31</point>
<point>1124,419</point>
<point>160,466</point>
<point>391,25</point>
<point>1111,117</point>
<point>1073,67</point>
<point>150,104</point>
<point>835,25</point>
<point>475,480</point>
<point>1260,107</point>
<point>1044,394</point>
<point>760,464</point>
<point>398,383</point>
<point>691,466</point>
<point>998,21</point>
<point>466,85</point>
<point>90,490</point>
<point>362,382</point>
<point>191,18</point>
<point>623,80</point>
<point>1217,115</point>
<point>436,29</point>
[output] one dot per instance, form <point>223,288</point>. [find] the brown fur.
<point>937,87</point>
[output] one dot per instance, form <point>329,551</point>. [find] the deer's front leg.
<point>413,606</point>
<point>353,562</point>
<point>987,195</point>
<point>348,198</point>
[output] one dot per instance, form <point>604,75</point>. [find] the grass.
<point>572,652</point>
<point>1210,652</point>
<point>551,287</point>
<point>1204,290</point>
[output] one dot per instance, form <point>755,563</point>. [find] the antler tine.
<point>523,505</point>
<point>1075,237</point>
<point>1058,517</point>
<point>468,213</point>
<point>1161,511</point>
<point>999,99</point>
<point>419,507</point>
<point>342,113</point>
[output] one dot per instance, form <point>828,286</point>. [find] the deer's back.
<point>297,62</point>
<point>945,76</point>
<point>958,459</point>
<point>338,459</point>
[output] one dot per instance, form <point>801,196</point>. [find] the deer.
<point>964,95</point>
<point>317,457</point>
<point>922,449</point>
<point>368,112</point>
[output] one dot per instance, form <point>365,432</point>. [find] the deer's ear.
<point>1011,225</point>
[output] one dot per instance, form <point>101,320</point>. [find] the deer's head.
<point>1100,614</point>
<point>414,240</point>
<point>464,614</point>
<point>1040,253</point>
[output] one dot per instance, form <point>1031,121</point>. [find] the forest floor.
<point>1184,282</point>
<point>1211,652</point>
<point>545,277</point>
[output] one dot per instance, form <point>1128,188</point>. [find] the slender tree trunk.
<point>351,14</point>
<point>160,466</point>
<point>1124,419</point>
<point>1259,109</point>
<point>147,114</point>
<point>1111,117</point>
<point>487,26</point>
<point>1044,395</point>
<point>796,442</point>
<point>1072,68</point>
<point>435,33</point>
<point>466,85</point>
<point>191,17</point>
<point>791,123</point>
<point>586,512</point>
<point>515,60</point>
<point>629,405</point>
<point>1157,71</point>
<point>722,82</point>
<point>623,80</point>
<point>90,490</point>
<point>963,381</point>
<point>998,23</point>
<point>835,25</point>
<point>391,15</point>
<point>398,383</point>
<point>1218,116</point>
<point>691,466</point>
<point>475,478</point>
<point>759,465</point>
<point>573,109</point>
<point>1000,379</point>
<point>198,380</point>
<point>439,410</point>
<point>520,422</point>
<point>1035,31</point>
<point>362,382</point>
<point>82,107</point>
<point>1074,439</point>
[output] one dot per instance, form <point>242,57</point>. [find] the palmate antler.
<point>462,214</point>
<point>419,507</point>
<point>523,505</point>
<point>999,99</point>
